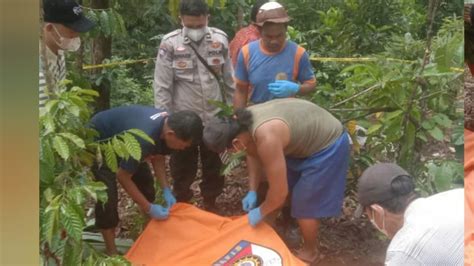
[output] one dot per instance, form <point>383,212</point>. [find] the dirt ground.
<point>343,241</point>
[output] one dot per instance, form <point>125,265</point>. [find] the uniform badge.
<point>180,49</point>
<point>181,64</point>
<point>216,45</point>
<point>162,51</point>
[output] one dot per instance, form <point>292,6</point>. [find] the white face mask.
<point>195,34</point>
<point>372,220</point>
<point>68,44</point>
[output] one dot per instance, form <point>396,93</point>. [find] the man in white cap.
<point>272,67</point>
<point>424,231</point>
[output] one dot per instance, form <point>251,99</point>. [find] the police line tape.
<point>321,59</point>
<point>118,63</point>
<point>368,59</point>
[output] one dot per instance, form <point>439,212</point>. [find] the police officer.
<point>192,67</point>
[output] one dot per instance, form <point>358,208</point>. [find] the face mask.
<point>372,220</point>
<point>195,34</point>
<point>68,44</point>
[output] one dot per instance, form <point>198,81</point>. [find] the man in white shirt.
<point>424,231</point>
<point>63,21</point>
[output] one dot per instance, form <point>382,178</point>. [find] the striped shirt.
<point>57,67</point>
<point>432,233</point>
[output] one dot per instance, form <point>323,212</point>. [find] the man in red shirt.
<point>246,34</point>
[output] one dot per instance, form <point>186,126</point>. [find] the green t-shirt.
<point>312,128</point>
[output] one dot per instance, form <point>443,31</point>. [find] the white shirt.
<point>432,233</point>
<point>57,66</point>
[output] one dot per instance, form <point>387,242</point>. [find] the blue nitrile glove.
<point>169,198</point>
<point>255,216</point>
<point>283,88</point>
<point>158,212</point>
<point>249,201</point>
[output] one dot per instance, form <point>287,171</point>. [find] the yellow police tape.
<point>368,59</point>
<point>321,59</point>
<point>118,63</point>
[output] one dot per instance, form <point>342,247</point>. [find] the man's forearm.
<point>240,97</point>
<point>159,168</point>
<point>255,172</point>
<point>125,179</point>
<point>307,87</point>
<point>274,199</point>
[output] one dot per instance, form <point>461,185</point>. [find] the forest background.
<point>391,70</point>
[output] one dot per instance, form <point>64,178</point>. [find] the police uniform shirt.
<point>182,82</point>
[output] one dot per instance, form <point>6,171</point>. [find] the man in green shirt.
<point>304,153</point>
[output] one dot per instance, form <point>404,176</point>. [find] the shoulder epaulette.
<point>172,34</point>
<point>216,30</point>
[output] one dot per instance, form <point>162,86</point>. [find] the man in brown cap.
<point>424,231</point>
<point>272,67</point>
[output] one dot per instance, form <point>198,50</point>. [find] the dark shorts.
<point>317,183</point>
<point>106,215</point>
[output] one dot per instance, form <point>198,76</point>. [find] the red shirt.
<point>241,38</point>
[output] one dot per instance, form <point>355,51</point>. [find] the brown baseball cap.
<point>375,184</point>
<point>272,12</point>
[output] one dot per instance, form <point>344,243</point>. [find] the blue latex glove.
<point>255,216</point>
<point>283,88</point>
<point>158,212</point>
<point>249,201</point>
<point>169,198</point>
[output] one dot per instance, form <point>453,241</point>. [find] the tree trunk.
<point>101,49</point>
<point>240,18</point>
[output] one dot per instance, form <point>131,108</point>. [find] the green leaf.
<point>118,147</point>
<point>74,110</point>
<point>88,92</point>
<point>72,252</point>
<point>123,29</point>
<point>407,146</point>
<point>104,23</point>
<point>110,157</point>
<point>61,147</point>
<point>442,120</point>
<point>232,161</point>
<point>51,221</point>
<point>226,110</point>
<point>96,190</point>
<point>72,219</point>
<point>392,115</point>
<point>113,23</point>
<point>49,124</point>
<point>51,106</point>
<point>422,136</point>
<point>373,128</point>
<point>436,133</point>
<point>222,3</point>
<point>46,173</point>
<point>445,173</point>
<point>132,145</point>
<point>46,152</point>
<point>98,156</point>
<point>141,134</point>
<point>75,139</point>
<point>427,124</point>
